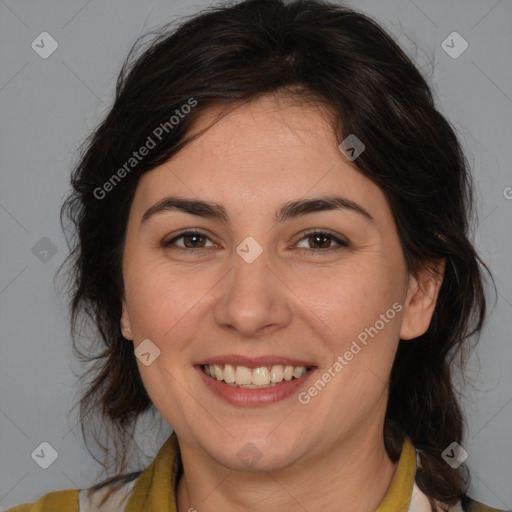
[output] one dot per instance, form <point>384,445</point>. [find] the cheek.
<point>159,295</point>
<point>349,298</point>
<point>356,311</point>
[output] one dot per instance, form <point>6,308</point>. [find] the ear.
<point>125,323</point>
<point>421,299</point>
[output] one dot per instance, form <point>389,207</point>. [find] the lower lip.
<point>254,397</point>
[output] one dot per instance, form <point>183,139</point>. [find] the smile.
<point>254,378</point>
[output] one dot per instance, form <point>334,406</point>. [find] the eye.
<point>320,241</point>
<point>189,240</point>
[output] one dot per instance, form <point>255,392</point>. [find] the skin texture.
<point>294,301</point>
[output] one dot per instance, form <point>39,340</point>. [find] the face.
<point>294,261</point>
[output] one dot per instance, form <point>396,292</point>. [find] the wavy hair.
<point>315,51</point>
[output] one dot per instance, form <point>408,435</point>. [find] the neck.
<point>357,474</point>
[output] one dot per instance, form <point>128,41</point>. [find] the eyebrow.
<point>191,206</point>
<point>290,210</point>
<point>301,207</point>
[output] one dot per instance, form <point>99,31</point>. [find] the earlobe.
<point>125,324</point>
<point>421,301</point>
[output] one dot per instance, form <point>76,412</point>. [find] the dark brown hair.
<point>314,50</point>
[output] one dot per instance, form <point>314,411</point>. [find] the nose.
<point>253,301</point>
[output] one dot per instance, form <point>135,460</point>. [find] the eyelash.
<point>341,243</point>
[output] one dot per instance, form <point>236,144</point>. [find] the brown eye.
<point>323,241</point>
<point>194,241</point>
<point>319,241</point>
<point>189,240</point>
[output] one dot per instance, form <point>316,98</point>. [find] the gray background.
<point>49,105</point>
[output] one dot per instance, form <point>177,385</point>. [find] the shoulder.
<point>153,478</point>
<point>77,500</point>
<point>420,503</point>
<point>94,502</point>
<point>59,501</point>
<point>469,505</point>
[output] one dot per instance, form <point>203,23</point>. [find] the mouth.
<point>260,377</point>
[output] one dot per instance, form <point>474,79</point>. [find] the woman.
<point>272,243</point>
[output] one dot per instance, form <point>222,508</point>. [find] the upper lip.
<point>254,362</point>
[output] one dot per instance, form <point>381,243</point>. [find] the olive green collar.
<point>155,489</point>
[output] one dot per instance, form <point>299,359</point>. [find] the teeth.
<point>277,373</point>
<point>288,372</point>
<point>299,372</point>
<point>243,375</point>
<point>218,371</point>
<point>229,374</point>
<point>261,376</point>
<point>253,378</point>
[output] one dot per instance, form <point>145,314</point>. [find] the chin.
<point>247,452</point>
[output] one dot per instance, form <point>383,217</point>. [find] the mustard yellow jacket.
<point>154,490</point>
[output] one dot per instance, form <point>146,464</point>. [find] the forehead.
<point>258,134</point>
<point>271,150</point>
